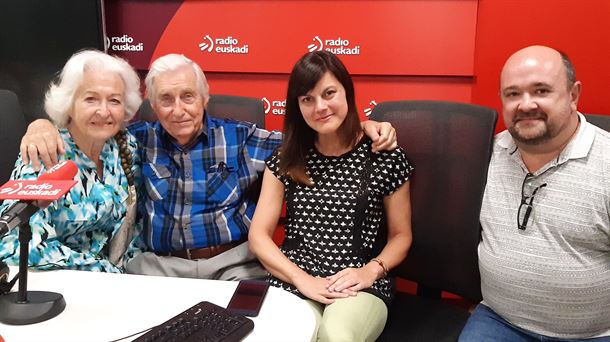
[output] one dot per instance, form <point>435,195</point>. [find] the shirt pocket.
<point>156,180</point>
<point>222,186</point>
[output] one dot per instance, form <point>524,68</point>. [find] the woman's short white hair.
<point>173,62</point>
<point>59,99</point>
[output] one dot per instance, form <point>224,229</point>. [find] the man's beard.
<point>535,140</point>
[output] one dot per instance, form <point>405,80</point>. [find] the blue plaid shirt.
<point>195,195</point>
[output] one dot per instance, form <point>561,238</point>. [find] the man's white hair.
<point>173,62</point>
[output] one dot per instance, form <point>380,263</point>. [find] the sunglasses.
<point>528,191</point>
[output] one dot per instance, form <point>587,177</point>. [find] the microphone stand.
<point>28,307</point>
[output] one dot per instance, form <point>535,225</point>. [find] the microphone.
<point>64,170</point>
<point>48,187</point>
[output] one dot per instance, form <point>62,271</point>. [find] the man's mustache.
<point>537,115</point>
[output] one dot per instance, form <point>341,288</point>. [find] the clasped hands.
<point>343,284</point>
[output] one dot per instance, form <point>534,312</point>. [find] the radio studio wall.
<point>36,39</point>
<point>434,49</point>
<point>393,49</point>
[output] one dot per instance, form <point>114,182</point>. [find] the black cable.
<point>134,334</point>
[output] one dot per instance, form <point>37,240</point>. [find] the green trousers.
<point>351,319</point>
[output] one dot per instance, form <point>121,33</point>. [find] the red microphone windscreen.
<point>64,170</point>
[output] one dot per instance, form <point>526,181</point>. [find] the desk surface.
<point>105,307</point>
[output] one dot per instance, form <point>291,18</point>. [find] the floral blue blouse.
<point>74,231</point>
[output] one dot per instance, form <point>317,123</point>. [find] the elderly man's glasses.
<point>528,191</point>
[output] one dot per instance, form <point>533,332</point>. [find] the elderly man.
<point>196,171</point>
<point>544,255</point>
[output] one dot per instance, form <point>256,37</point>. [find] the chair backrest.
<point>450,146</point>
<point>238,108</point>
<point>12,128</point>
<point>600,120</point>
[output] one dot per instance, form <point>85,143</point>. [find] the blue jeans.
<point>486,325</point>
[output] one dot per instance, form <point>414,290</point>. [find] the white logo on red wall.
<point>123,43</point>
<point>338,46</point>
<point>369,110</point>
<point>230,45</point>
<point>275,107</point>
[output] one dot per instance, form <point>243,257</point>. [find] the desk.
<point>107,306</point>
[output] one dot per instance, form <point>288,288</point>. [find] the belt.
<point>202,253</point>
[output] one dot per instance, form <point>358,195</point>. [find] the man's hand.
<point>382,134</point>
<point>41,142</point>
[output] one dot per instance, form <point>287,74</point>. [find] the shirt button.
<point>186,226</point>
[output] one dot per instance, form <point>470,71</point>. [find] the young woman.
<point>336,191</point>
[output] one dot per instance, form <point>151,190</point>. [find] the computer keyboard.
<point>202,322</point>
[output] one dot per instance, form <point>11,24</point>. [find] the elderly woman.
<point>89,228</point>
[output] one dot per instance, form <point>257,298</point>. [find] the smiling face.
<point>99,110</point>
<point>324,107</point>
<point>538,102</point>
<point>178,104</point>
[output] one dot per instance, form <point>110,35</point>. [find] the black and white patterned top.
<point>330,226</point>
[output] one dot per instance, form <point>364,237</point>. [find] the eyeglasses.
<point>527,201</point>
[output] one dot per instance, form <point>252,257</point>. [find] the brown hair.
<point>299,138</point>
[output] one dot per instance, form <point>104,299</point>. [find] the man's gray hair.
<point>173,62</point>
<point>59,99</point>
<point>570,71</point>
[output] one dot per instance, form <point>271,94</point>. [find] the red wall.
<point>410,49</point>
<point>580,28</point>
<point>415,49</point>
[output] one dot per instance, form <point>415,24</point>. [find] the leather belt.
<point>202,253</point>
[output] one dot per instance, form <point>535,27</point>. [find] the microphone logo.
<point>9,190</point>
<point>58,166</point>
<point>49,186</point>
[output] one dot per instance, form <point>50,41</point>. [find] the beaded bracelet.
<point>385,269</point>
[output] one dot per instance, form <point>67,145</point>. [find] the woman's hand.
<point>316,288</point>
<point>352,280</point>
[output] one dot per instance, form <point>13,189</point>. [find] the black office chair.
<point>145,112</point>
<point>12,128</point>
<point>450,146</point>
<point>238,108</point>
<point>600,120</point>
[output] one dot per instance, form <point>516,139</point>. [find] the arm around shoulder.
<point>382,134</point>
<point>41,142</point>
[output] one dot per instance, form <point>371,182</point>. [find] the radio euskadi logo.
<point>123,43</point>
<point>338,46</point>
<point>227,44</point>
<point>369,109</point>
<point>275,107</point>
